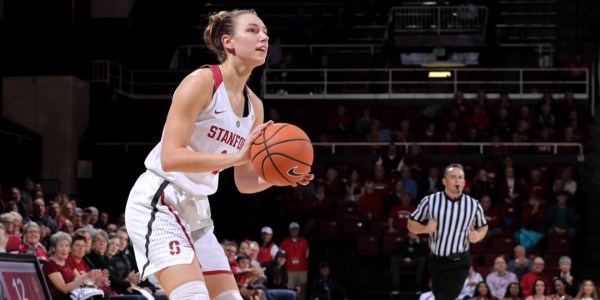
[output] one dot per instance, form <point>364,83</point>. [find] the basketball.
<point>282,154</point>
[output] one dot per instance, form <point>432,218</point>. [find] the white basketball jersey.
<point>217,130</point>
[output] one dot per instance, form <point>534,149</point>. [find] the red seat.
<point>345,210</point>
<point>558,244</point>
<point>503,244</point>
<point>367,245</point>
<point>391,242</point>
<point>353,227</point>
<point>329,230</point>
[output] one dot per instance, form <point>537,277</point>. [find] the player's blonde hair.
<point>219,24</point>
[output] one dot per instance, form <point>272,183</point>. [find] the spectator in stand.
<point>297,262</point>
<point>500,279</point>
<point>3,238</point>
<point>14,236</point>
<point>54,211</point>
<point>28,191</point>
<point>520,264</point>
<point>502,124</point>
<point>369,204</point>
<point>511,190</point>
<point>103,220</point>
<point>67,227</point>
<point>569,105</point>
<point>98,259</point>
<point>405,133</point>
<point>277,278</point>
<point>400,213</point>
<point>23,206</point>
<point>323,287</point>
<point>534,216</point>
<point>381,181</point>
<point>340,120</point>
<point>354,187</point>
<point>479,120</point>
<point>411,254</point>
<point>415,161</point>
<point>547,99</point>
<point>513,292</point>
<point>41,217</point>
<point>529,280</point>
<point>482,185</point>
<point>470,284</point>
<point>243,272</point>
<point>568,136</point>
<point>253,249</point>
<point>76,258</point>
<point>546,118</point>
<point>323,205</point>
<point>482,292</point>
<point>525,116</point>
<point>544,136</point>
<point>562,218</point>
<point>576,63</point>
<point>31,242</point>
<point>268,249</point>
<point>433,182</point>
<point>86,232</point>
<point>10,207</point>
<point>67,211</point>
<point>491,216</point>
<point>275,56</point>
<point>539,291</point>
<point>587,291</point>
<point>430,134</point>
<point>537,186</point>
<point>559,288</point>
<point>364,123</point>
<point>378,134</point>
<point>564,265</point>
<point>394,198</point>
<point>449,149</point>
<point>461,105</point>
<point>390,160</point>
<point>93,216</point>
<point>410,185</point>
<point>231,251</point>
<point>334,188</point>
<point>62,277</point>
<point>567,177</point>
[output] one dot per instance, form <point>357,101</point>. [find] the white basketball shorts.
<point>160,219</point>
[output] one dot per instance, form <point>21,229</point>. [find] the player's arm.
<point>246,178</point>
<point>193,95</point>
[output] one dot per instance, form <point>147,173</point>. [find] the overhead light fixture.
<point>438,74</point>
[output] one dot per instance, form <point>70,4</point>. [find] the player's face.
<point>250,40</point>
<point>454,180</point>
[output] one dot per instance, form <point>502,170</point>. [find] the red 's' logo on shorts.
<point>174,246</point>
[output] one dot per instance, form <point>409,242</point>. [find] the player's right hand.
<point>431,226</point>
<point>244,153</point>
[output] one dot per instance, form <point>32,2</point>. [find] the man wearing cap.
<point>297,263</point>
<point>268,249</point>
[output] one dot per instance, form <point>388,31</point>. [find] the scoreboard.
<point>21,278</point>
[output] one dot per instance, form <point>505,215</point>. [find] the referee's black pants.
<point>448,274</point>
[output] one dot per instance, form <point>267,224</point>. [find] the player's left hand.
<point>474,235</point>
<point>305,181</point>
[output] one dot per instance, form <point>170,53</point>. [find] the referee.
<point>452,220</point>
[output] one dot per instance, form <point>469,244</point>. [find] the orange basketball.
<point>282,154</point>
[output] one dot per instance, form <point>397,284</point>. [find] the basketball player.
<point>213,119</point>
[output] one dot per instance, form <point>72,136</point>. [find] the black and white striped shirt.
<point>454,221</point>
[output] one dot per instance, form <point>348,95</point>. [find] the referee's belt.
<point>452,257</point>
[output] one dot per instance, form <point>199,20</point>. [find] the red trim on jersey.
<point>216,75</point>
<point>216,272</point>
<point>162,201</point>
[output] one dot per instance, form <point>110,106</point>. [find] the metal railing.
<point>335,146</point>
<point>440,19</point>
<point>361,84</point>
<point>416,84</point>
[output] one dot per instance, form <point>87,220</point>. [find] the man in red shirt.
<point>297,263</point>
<point>268,248</point>
<point>399,215</point>
<point>528,280</point>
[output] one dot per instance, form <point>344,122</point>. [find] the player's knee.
<point>229,295</point>
<point>192,290</point>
